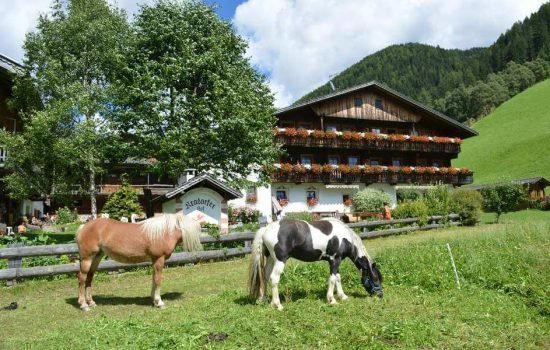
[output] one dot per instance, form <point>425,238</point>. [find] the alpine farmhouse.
<point>366,136</point>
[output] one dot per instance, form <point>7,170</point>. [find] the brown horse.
<point>152,240</point>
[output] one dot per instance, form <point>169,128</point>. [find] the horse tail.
<point>256,271</point>
<point>191,233</point>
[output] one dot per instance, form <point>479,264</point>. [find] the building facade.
<point>369,136</point>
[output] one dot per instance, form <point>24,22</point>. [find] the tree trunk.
<point>93,202</point>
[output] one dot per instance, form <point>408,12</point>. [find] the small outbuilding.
<point>202,197</point>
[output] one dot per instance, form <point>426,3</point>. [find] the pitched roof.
<point>438,115</point>
<point>9,64</point>
<point>208,180</point>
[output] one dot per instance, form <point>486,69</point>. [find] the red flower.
<point>370,136</point>
<point>346,135</point>
<point>420,170</point>
<point>437,139</point>
<point>327,168</point>
<point>286,167</point>
<point>465,171</point>
<point>453,171</point>
<point>318,134</point>
<point>316,168</point>
<point>444,170</point>
<point>394,169</point>
<point>330,135</point>
<point>378,169</point>
<point>406,170</point>
<point>290,132</point>
<point>299,169</point>
<point>430,170</point>
<point>397,137</point>
<point>348,202</point>
<point>356,169</point>
<point>420,138</point>
<point>283,202</point>
<point>344,168</point>
<point>312,202</point>
<point>303,133</point>
<point>356,136</point>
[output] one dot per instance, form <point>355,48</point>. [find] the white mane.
<point>157,227</point>
<point>356,240</point>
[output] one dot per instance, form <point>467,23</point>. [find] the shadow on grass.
<point>114,300</point>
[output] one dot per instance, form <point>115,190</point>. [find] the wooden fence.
<point>15,254</point>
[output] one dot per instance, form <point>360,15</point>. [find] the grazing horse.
<point>327,239</point>
<point>152,240</point>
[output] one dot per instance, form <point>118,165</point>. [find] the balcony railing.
<point>381,144</point>
<point>337,176</point>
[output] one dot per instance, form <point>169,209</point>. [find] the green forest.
<point>448,80</point>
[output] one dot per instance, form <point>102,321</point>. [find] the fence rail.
<point>16,254</point>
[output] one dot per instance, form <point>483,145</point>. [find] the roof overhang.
<point>465,130</point>
<point>204,180</point>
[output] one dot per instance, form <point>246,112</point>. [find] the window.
<point>353,160</point>
<point>396,162</point>
<point>311,193</point>
<point>391,131</point>
<point>435,163</point>
<point>374,162</point>
<point>306,159</point>
<point>281,194</point>
<point>421,162</point>
<point>414,133</point>
<point>333,160</point>
<point>331,127</point>
<point>347,128</point>
<point>376,131</point>
<point>358,102</point>
<point>379,104</point>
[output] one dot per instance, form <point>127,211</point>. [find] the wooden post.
<point>14,263</point>
<point>149,211</point>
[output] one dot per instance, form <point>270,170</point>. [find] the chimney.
<point>188,174</point>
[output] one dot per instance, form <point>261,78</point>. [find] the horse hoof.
<point>333,302</point>
<point>92,304</point>
<point>85,308</point>
<point>344,297</point>
<point>278,307</point>
<point>160,306</point>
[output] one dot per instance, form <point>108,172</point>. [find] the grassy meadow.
<point>513,140</point>
<point>503,303</point>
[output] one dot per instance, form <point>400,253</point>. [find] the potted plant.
<point>312,202</point>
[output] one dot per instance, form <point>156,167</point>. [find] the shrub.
<point>467,204</point>
<point>437,200</point>
<point>122,202</point>
<point>415,209</point>
<point>65,216</point>
<point>408,195</point>
<point>370,200</point>
<point>300,215</point>
<point>502,198</point>
<point>245,215</point>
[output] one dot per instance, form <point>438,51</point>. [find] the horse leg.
<point>93,268</point>
<point>339,290</point>
<point>275,277</point>
<point>85,264</point>
<point>333,280</point>
<point>158,265</point>
<point>267,273</point>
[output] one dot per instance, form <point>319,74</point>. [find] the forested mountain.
<point>428,73</point>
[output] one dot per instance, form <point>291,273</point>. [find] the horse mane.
<point>356,240</point>
<point>158,226</point>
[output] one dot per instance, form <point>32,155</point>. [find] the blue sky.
<point>298,44</point>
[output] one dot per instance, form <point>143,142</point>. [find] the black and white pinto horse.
<point>327,239</point>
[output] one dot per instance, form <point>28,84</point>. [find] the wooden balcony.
<point>386,145</point>
<point>386,177</point>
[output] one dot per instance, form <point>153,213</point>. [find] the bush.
<point>301,215</point>
<point>502,198</point>
<point>416,209</point>
<point>437,200</point>
<point>123,202</point>
<point>467,204</point>
<point>370,200</point>
<point>244,215</point>
<point>65,216</point>
<point>408,195</point>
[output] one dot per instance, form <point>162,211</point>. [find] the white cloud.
<point>299,43</point>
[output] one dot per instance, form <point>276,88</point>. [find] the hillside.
<point>513,141</point>
<point>427,73</point>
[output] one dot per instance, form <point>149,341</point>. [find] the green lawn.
<point>513,141</point>
<point>503,302</point>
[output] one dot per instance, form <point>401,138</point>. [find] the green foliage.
<point>524,124</point>
<point>467,204</point>
<point>189,88</point>
<point>412,209</point>
<point>65,216</point>
<point>370,200</point>
<point>299,215</point>
<point>502,198</point>
<point>123,202</point>
<point>408,195</point>
<point>437,200</point>
<point>458,82</point>
<point>63,96</point>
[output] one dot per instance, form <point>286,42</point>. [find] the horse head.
<point>371,277</point>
